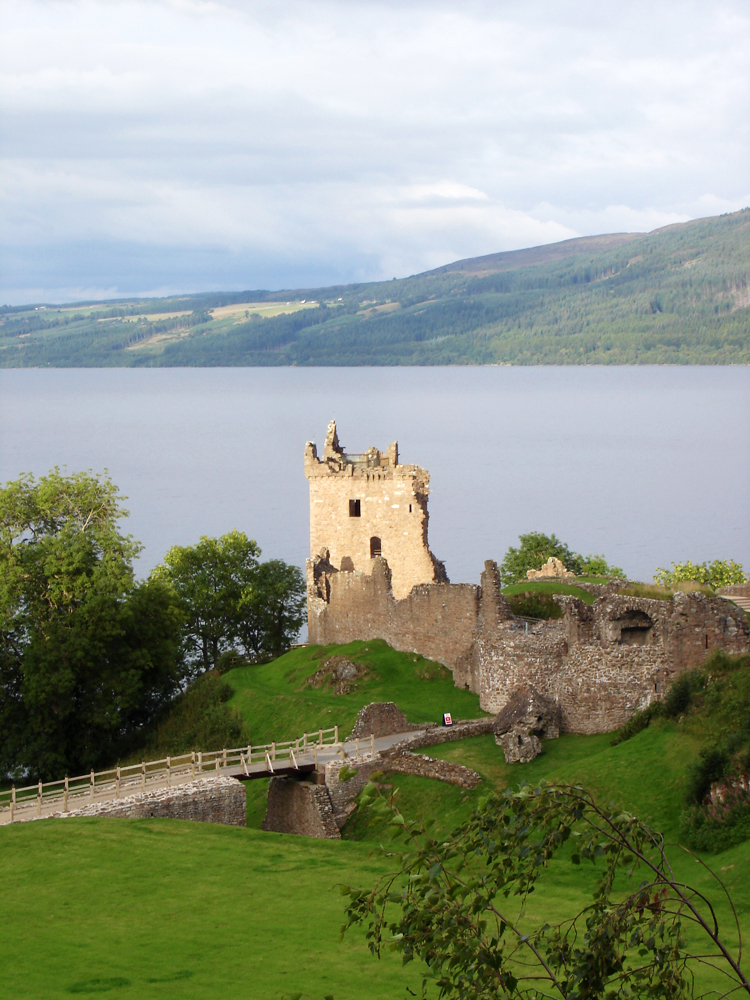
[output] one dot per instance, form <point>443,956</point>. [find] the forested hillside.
<point>679,295</point>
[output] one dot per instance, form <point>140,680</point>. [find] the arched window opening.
<point>375,547</point>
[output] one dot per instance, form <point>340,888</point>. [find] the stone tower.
<point>367,506</point>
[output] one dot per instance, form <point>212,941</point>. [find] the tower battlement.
<point>367,505</point>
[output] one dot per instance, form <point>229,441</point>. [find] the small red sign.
<point>447,719</point>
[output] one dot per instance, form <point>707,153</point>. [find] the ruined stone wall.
<point>381,718</point>
<point>357,498</point>
<point>213,800</point>
<point>603,662</point>
<point>299,807</point>
<point>438,621</point>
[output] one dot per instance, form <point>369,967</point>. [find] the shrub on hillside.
<point>200,719</point>
<point>719,573</point>
<point>717,810</point>
<point>534,605</point>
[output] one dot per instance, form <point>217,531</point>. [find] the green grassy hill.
<point>279,702</point>
<point>165,908</point>
<point>679,295</point>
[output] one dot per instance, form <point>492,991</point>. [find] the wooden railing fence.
<point>71,793</point>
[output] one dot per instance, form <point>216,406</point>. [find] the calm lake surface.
<point>645,465</point>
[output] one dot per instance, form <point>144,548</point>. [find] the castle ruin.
<point>372,575</point>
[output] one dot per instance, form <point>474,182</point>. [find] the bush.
<point>719,573</point>
<point>716,828</point>
<point>200,719</point>
<point>638,722</point>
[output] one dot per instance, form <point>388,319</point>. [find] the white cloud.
<point>360,140</point>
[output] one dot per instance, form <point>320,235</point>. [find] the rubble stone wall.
<point>299,807</point>
<point>602,662</point>
<point>212,800</point>
<point>438,621</point>
<point>404,762</point>
<point>381,718</point>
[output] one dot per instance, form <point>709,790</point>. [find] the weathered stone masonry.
<point>209,800</point>
<point>600,662</point>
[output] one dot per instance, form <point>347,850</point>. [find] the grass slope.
<point>278,703</point>
<point>678,295</point>
<point>164,908</point>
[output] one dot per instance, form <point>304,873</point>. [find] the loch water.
<point>644,464</point>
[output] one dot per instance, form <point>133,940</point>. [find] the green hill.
<point>679,295</point>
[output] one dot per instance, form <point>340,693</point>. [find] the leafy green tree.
<point>536,548</point>
<point>212,581</point>
<point>275,610</point>
<point>719,573</point>
<point>598,566</point>
<point>229,598</point>
<point>87,655</point>
<point>457,902</point>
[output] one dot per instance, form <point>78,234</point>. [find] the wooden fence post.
<point>224,758</point>
<point>169,771</point>
<point>320,737</point>
<point>200,762</point>
<point>117,783</point>
<point>12,802</point>
<point>335,734</point>
<point>216,761</point>
<point>273,750</point>
<point>92,780</point>
<point>39,797</point>
<point>65,795</point>
<point>192,763</point>
<point>143,776</point>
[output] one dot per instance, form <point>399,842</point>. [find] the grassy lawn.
<point>553,587</point>
<point>279,704</point>
<point>166,908</point>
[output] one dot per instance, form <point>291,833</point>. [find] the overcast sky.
<point>185,145</point>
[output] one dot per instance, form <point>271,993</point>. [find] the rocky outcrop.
<point>529,710</point>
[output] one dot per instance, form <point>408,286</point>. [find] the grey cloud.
<point>302,136</point>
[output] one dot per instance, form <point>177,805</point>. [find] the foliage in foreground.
<point>719,573</point>
<point>87,655</point>
<point>536,548</point>
<point>458,903</point>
